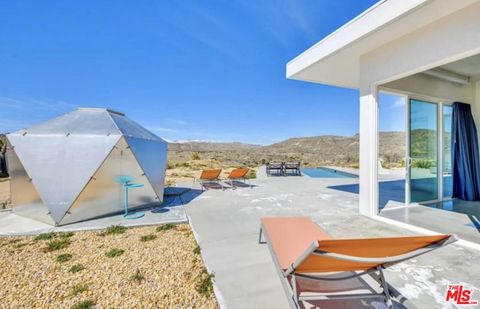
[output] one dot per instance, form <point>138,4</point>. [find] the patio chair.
<point>275,166</point>
<point>209,177</point>
<point>292,168</point>
<point>314,267</point>
<point>239,174</point>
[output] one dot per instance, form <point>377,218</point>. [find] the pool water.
<point>322,172</point>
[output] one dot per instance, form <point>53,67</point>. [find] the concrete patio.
<point>226,224</point>
<point>12,224</point>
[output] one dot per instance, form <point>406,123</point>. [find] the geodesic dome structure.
<point>64,170</point>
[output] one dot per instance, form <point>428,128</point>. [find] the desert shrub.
<point>148,237</point>
<point>183,164</point>
<point>170,165</point>
<point>252,174</point>
<point>195,156</point>
<point>84,304</point>
<point>57,244</point>
<point>165,227</point>
<point>204,284</point>
<point>137,276</point>
<point>197,250</point>
<point>76,268</point>
<point>65,234</point>
<point>65,257</point>
<point>423,163</point>
<point>114,252</point>
<point>46,236</point>
<point>114,229</point>
<point>78,288</point>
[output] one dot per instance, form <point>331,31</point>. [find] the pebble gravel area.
<point>161,271</point>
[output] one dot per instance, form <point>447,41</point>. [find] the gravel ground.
<point>164,272</point>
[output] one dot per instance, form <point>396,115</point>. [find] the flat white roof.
<point>335,60</point>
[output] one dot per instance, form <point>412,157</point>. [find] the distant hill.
<point>315,150</point>
<point>199,146</point>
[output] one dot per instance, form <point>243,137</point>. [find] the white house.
<point>427,51</point>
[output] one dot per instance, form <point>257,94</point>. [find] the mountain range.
<point>315,150</point>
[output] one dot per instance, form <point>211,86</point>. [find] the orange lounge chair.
<point>237,175</point>
<point>210,177</point>
<point>314,267</point>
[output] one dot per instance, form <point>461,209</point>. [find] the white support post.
<point>368,200</point>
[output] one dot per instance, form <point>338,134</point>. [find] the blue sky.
<point>208,70</point>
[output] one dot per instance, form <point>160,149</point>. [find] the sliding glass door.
<point>423,151</point>
<point>429,162</point>
<point>447,111</point>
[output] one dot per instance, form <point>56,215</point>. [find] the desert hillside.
<point>311,151</point>
<point>186,159</point>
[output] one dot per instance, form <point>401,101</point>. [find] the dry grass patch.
<point>114,252</point>
<point>84,304</point>
<point>164,273</point>
<point>62,258</point>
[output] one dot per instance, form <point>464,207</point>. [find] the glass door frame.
<point>441,102</point>
<point>440,146</point>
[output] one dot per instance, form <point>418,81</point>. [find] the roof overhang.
<point>335,60</point>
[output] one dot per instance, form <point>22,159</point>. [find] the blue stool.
<point>125,181</point>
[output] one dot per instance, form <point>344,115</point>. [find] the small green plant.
<point>78,288</point>
<point>195,156</point>
<point>205,285</point>
<point>84,304</point>
<point>423,163</point>
<point>57,244</point>
<point>252,174</point>
<point>170,165</point>
<point>46,236</point>
<point>148,237</point>
<point>65,235</point>
<point>137,276</point>
<point>114,229</point>
<point>114,252</point>
<point>65,257</point>
<point>76,268</point>
<point>165,227</point>
<point>197,250</point>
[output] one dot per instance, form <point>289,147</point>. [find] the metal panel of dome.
<point>23,194</point>
<point>132,129</point>
<point>103,195</point>
<point>61,165</point>
<point>80,121</point>
<point>152,156</point>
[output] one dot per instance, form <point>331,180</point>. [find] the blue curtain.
<point>466,167</point>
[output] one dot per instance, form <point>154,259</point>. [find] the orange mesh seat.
<point>211,175</point>
<point>303,251</point>
<point>238,173</point>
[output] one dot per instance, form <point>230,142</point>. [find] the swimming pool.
<point>324,172</point>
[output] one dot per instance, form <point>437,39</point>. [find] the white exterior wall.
<point>368,200</point>
<point>451,38</point>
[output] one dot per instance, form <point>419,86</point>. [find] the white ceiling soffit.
<point>448,76</point>
<point>335,59</point>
